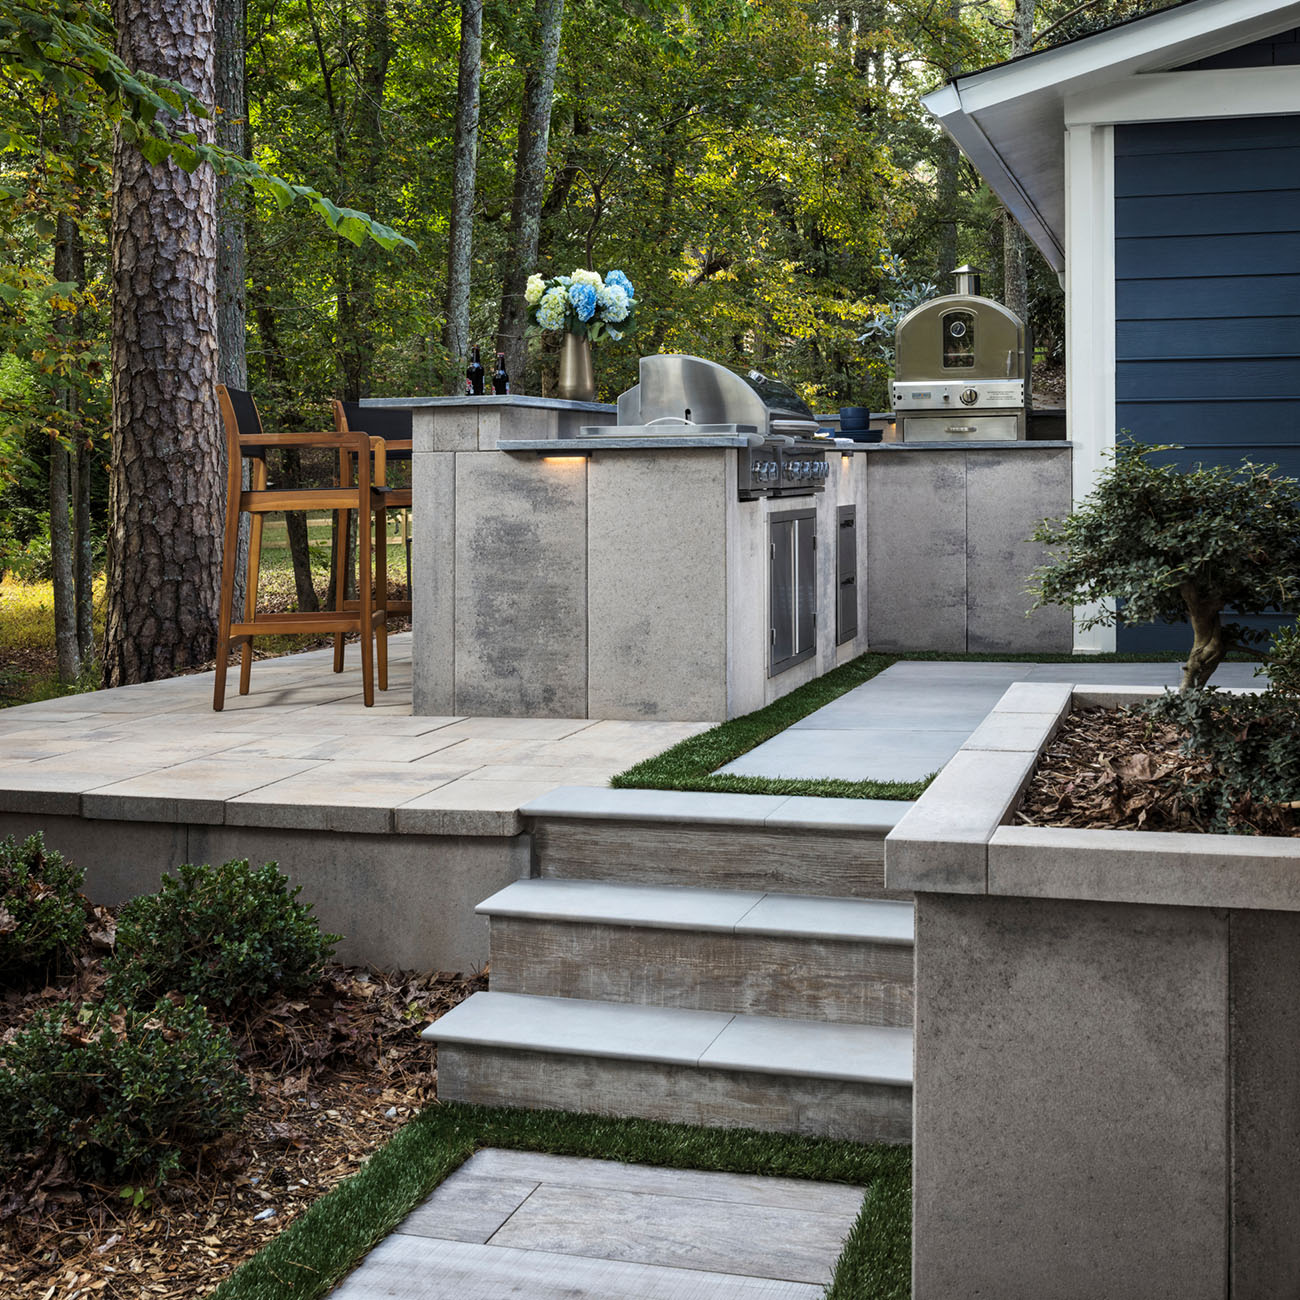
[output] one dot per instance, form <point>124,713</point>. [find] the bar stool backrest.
<point>247,421</point>
<point>393,425</point>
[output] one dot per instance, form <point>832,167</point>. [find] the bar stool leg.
<point>254,568</point>
<point>226,609</point>
<point>381,594</point>
<point>365,577</point>
<point>341,556</point>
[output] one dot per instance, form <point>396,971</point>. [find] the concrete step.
<point>771,843</point>
<point>842,960</point>
<point>691,1067</point>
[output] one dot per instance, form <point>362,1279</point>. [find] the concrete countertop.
<point>678,442</point>
<point>648,442</point>
<point>487,399</point>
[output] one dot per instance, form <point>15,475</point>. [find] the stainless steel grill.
<point>684,395</point>
<point>961,370</point>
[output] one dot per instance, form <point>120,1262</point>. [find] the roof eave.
<point>946,106</point>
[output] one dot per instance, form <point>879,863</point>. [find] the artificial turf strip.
<point>692,764</point>
<point>318,1248</point>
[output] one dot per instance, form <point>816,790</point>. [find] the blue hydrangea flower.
<point>583,298</point>
<point>618,278</point>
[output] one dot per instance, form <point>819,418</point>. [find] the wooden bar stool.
<point>394,428</point>
<point>246,441</point>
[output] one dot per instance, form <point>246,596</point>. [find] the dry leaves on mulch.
<point>333,1075</point>
<point>1114,769</point>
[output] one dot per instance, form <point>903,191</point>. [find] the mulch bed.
<point>1116,769</point>
<point>334,1075</point>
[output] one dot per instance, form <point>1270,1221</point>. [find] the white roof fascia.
<point>1173,96</point>
<point>1031,93</point>
<point>1160,41</point>
<point>945,105</point>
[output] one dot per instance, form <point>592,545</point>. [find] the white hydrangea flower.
<point>534,289</point>
<point>552,308</point>
<point>592,278</point>
<point>613,302</point>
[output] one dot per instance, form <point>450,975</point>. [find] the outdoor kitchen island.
<point>561,569</point>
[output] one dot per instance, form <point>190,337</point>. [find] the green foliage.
<point>226,934</point>
<point>65,46</point>
<point>123,1093</point>
<point>1152,543</point>
<point>41,908</point>
<point>1250,742</point>
<point>1284,661</point>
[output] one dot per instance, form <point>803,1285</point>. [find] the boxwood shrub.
<point>41,907</point>
<point>122,1092</point>
<point>228,935</point>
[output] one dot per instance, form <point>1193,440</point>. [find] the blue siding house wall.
<point>1207,292</point>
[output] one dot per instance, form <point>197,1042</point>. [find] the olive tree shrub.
<point>1153,543</point>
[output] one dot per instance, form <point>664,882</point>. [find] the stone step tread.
<point>672,907</point>
<point>667,1036</point>
<point>774,812</point>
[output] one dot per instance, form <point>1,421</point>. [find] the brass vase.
<point>577,379</point>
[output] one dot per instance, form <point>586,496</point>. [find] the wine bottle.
<point>474,376</point>
<point>500,380</point>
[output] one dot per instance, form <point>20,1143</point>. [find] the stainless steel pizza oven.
<point>962,369</point>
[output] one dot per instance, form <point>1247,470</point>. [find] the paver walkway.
<point>908,721</point>
<point>542,1227</point>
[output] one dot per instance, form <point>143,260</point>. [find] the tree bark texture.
<point>1015,267</point>
<point>62,557</point>
<point>359,267</point>
<point>530,182</point>
<point>464,169</point>
<point>232,134</point>
<point>69,267</point>
<point>82,465</point>
<point>231,23</point>
<point>166,487</point>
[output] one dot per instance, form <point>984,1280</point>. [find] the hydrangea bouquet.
<point>583,303</point>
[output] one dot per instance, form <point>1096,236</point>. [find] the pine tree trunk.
<point>1015,266</point>
<point>949,173</point>
<point>166,494</point>
<point>69,267</point>
<point>464,168</point>
<point>232,116</point>
<point>63,563</point>
<point>231,22</point>
<point>277,374</point>
<point>84,567</point>
<point>530,182</point>
<point>358,268</point>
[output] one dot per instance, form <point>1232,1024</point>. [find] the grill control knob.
<point>969,396</point>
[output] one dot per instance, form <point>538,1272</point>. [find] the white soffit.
<point>1009,120</point>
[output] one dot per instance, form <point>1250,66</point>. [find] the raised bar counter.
<point>559,572</point>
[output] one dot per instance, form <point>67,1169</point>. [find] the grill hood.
<point>677,390</point>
